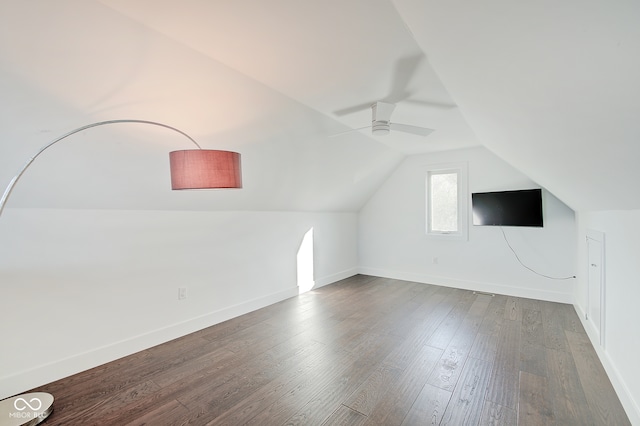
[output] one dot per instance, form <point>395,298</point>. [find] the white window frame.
<point>463,201</point>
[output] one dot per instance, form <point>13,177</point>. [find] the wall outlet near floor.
<point>182,293</point>
<point>435,260</point>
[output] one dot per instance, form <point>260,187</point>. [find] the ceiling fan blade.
<point>441,105</point>
<point>349,131</point>
<point>352,109</point>
<point>404,70</point>
<point>408,128</point>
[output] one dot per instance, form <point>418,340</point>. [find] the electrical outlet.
<point>182,293</point>
<point>435,260</point>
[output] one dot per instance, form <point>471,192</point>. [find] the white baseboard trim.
<point>38,376</point>
<point>330,279</point>
<point>529,293</point>
<point>622,390</point>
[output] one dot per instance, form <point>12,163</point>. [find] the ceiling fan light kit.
<point>381,113</point>
<point>380,128</point>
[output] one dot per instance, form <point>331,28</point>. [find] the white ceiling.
<point>550,88</point>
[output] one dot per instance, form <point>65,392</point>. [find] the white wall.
<point>392,241</point>
<point>622,283</point>
<point>83,287</point>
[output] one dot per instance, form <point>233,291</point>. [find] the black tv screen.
<point>508,208</point>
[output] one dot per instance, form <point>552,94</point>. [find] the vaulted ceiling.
<point>551,88</point>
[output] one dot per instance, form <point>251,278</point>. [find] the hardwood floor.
<point>364,351</point>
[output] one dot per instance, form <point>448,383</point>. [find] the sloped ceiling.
<point>271,80</point>
<point>550,88</point>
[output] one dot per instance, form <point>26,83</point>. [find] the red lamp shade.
<point>205,169</point>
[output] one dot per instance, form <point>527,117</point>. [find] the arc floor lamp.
<point>190,169</point>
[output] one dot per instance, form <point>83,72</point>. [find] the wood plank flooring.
<point>364,351</point>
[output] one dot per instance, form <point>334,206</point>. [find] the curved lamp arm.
<point>15,179</point>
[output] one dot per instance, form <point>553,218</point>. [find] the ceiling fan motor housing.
<point>381,117</point>
<point>379,127</point>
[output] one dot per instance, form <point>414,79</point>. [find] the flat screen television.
<point>508,208</point>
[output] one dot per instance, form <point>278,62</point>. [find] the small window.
<point>447,202</point>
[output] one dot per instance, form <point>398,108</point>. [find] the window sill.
<point>447,236</point>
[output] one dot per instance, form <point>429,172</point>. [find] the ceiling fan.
<point>404,71</point>
<point>381,122</point>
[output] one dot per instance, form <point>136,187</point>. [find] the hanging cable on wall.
<point>527,267</point>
